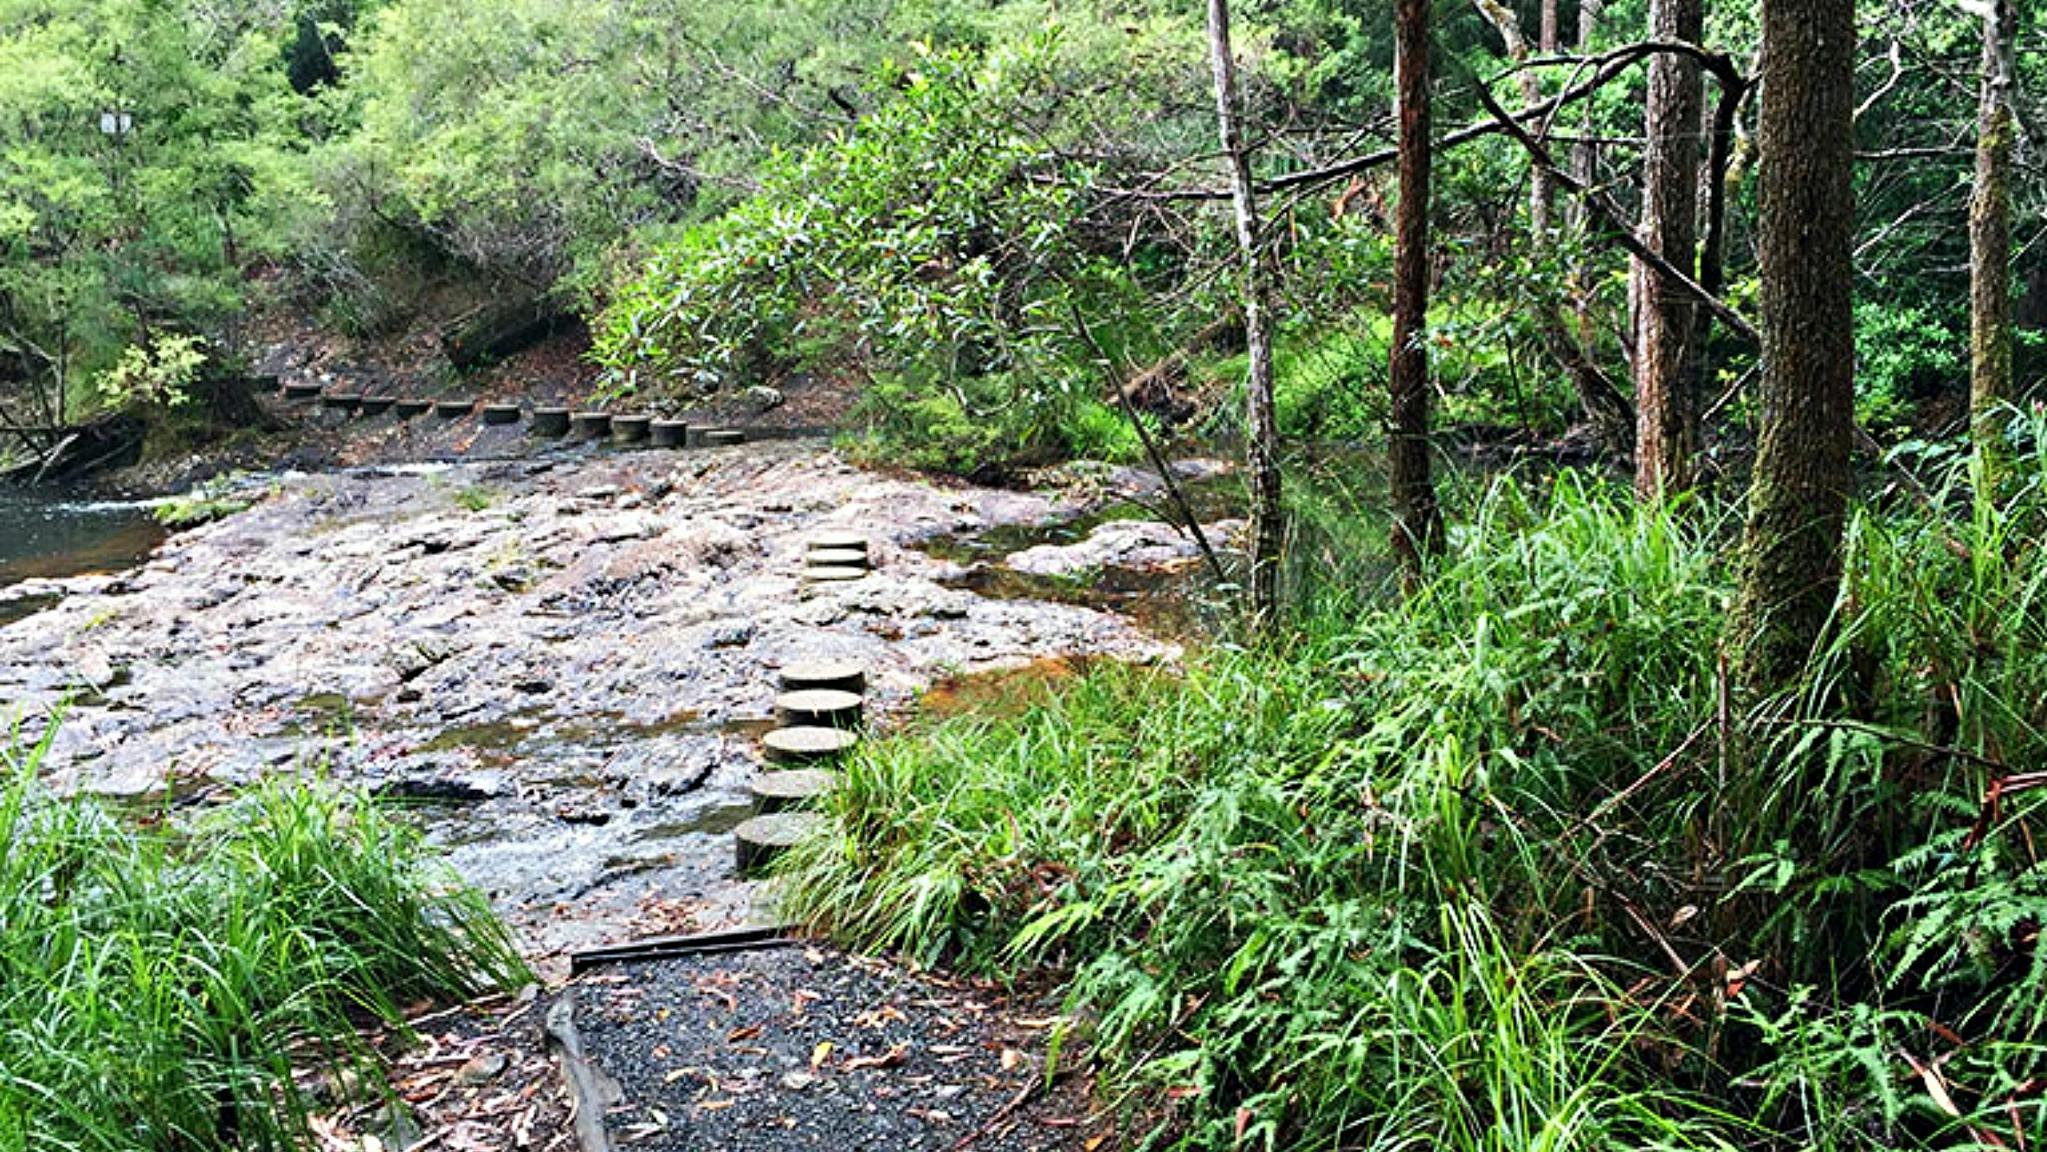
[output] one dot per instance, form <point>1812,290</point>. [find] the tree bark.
<point>1417,519</point>
<point>1666,401</point>
<point>1542,193</point>
<point>1262,447</point>
<point>1798,500</point>
<point>1990,307</point>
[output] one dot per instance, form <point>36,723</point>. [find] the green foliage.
<point>148,152</point>
<point>1904,355</point>
<point>162,981</point>
<point>941,236</point>
<point>1409,879</point>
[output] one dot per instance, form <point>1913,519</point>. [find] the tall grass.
<point>1498,867</point>
<point>160,982</point>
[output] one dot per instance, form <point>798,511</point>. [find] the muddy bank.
<point>562,661</point>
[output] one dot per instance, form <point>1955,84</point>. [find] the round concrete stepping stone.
<point>590,425</point>
<point>832,574</point>
<point>670,433</point>
<point>343,401</point>
<point>823,707</point>
<point>630,429</point>
<point>763,838</point>
<point>376,405</point>
<point>408,408</point>
<point>836,558</point>
<point>838,541</point>
<point>550,422</point>
<point>299,392</point>
<point>807,744</point>
<point>453,409</point>
<point>501,414</point>
<point>723,437</point>
<point>833,675</point>
<point>795,788</point>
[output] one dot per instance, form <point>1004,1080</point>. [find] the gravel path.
<point>805,1047</point>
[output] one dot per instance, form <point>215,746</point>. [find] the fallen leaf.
<point>888,1059</point>
<point>820,1054</point>
<point>738,1034</point>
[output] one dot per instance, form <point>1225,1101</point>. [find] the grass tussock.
<point>1504,867</point>
<point>160,982</point>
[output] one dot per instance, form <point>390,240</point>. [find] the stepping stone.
<point>723,437</point>
<point>793,789</point>
<point>630,429</point>
<point>763,838</point>
<point>407,409</point>
<point>299,392</point>
<point>670,433</point>
<point>839,541</point>
<point>550,422</point>
<point>376,405</point>
<point>836,558</point>
<point>453,409</point>
<point>832,574</point>
<point>824,707</point>
<point>807,745</point>
<point>590,425</point>
<point>501,414</point>
<point>835,675</point>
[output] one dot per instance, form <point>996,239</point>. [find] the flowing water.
<point>48,533</point>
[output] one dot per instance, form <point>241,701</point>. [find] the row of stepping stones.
<point>820,709</point>
<point>549,422</point>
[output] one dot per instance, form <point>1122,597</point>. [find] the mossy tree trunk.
<point>1990,307</point>
<point>1417,520</point>
<point>1666,404</point>
<point>1798,502</point>
<point>1262,447</point>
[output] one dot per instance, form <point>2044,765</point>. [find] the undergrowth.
<point>1503,866</point>
<point>160,982</point>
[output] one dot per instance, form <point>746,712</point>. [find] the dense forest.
<point>1620,723</point>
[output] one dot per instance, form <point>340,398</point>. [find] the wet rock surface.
<point>563,661</point>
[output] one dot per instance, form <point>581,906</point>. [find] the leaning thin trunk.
<point>1263,446</point>
<point>1798,501</point>
<point>1417,520</point>
<point>1990,310</point>
<point>1666,407</point>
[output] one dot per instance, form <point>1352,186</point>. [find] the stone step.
<point>838,540</point>
<point>630,429</point>
<point>832,574</point>
<point>807,744</point>
<point>796,788</point>
<point>670,433</point>
<point>837,675</point>
<point>552,422</point>
<point>454,409</point>
<point>376,405</point>
<point>761,839</point>
<point>821,707</point>
<point>590,425</point>
<point>500,414</point>
<point>298,392</point>
<point>409,407</point>
<point>723,437</point>
<point>836,558</point>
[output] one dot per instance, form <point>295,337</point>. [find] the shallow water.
<point>46,533</point>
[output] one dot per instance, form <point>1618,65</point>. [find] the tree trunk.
<point>1417,521</point>
<point>1798,501</point>
<point>1262,448</point>
<point>1666,401</point>
<point>1542,193</point>
<point>1990,308</point>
